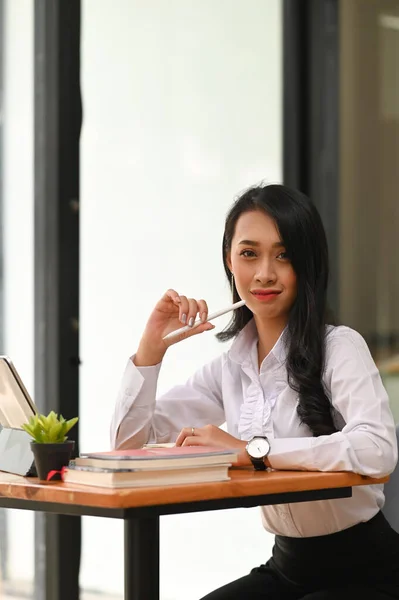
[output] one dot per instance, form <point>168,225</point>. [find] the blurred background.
<point>127,128</point>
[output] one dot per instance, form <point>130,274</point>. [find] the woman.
<point>295,392</point>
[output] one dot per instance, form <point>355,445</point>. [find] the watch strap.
<point>258,463</point>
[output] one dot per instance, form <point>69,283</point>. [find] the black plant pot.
<point>51,457</point>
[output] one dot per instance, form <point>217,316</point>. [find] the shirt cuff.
<point>135,378</point>
<point>292,454</point>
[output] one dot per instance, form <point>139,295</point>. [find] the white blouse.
<point>251,401</point>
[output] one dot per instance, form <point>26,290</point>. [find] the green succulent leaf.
<point>49,429</point>
<point>71,423</point>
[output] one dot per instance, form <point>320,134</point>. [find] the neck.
<point>268,334</point>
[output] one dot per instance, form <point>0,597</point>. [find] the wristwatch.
<point>258,448</point>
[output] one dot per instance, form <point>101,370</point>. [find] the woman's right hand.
<point>170,313</point>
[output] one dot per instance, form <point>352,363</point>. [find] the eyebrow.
<point>252,243</point>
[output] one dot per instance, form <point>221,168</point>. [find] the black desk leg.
<point>142,559</point>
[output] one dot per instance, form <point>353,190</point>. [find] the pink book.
<point>156,457</point>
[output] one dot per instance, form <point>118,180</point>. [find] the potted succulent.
<point>50,446</point>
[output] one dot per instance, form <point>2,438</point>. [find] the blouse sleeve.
<point>140,417</point>
<point>367,443</point>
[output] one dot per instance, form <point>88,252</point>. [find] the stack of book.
<point>151,466</point>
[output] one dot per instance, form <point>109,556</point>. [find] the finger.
<point>185,432</point>
<point>195,440</point>
<point>182,436</point>
<point>172,295</point>
<point>203,310</point>
<point>183,312</point>
<point>192,312</point>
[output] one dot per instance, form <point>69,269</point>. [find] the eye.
<point>283,255</point>
<point>247,253</point>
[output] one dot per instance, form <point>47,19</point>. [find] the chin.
<point>268,312</point>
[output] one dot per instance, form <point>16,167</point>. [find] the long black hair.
<point>304,239</point>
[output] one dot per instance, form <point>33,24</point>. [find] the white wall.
<point>18,235</point>
<point>182,110</point>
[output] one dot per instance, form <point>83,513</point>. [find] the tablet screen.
<point>16,406</point>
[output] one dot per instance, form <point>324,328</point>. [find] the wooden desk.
<point>141,508</point>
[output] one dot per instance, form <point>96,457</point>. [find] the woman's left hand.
<point>210,435</point>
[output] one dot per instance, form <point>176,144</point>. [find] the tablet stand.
<point>16,455</point>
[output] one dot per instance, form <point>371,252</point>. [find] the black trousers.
<point>359,562</point>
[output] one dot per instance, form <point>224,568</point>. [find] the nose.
<point>266,272</point>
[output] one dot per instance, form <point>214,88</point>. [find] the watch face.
<point>258,447</point>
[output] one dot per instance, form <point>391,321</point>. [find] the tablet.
<point>16,406</point>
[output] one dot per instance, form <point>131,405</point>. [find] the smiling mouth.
<point>265,296</point>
